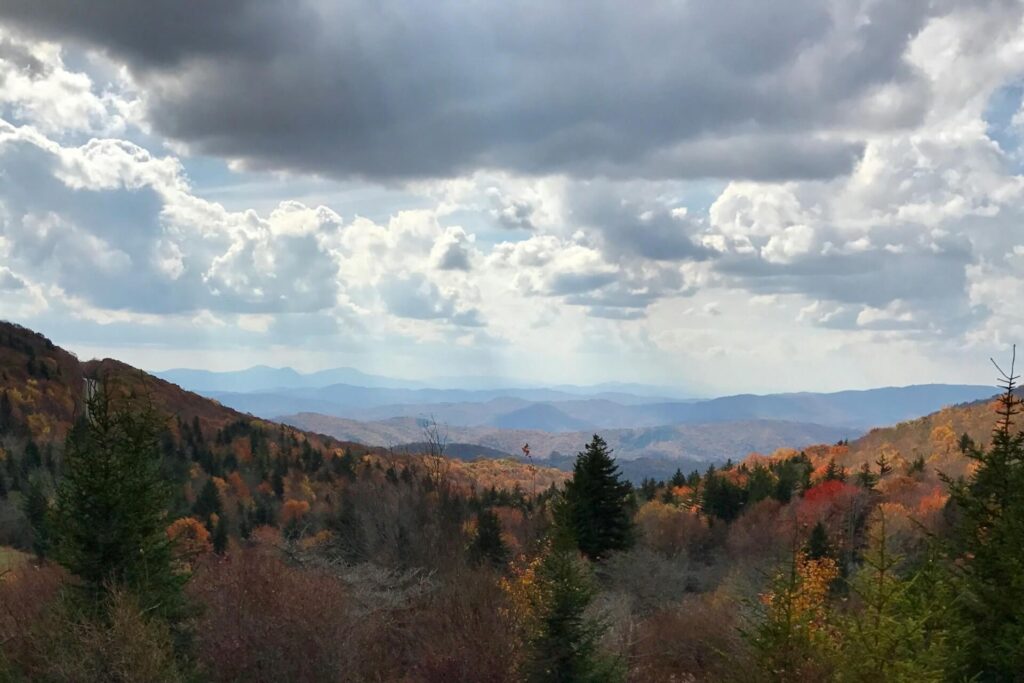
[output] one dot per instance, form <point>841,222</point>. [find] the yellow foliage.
<point>807,599</point>
<point>222,486</point>
<point>943,440</point>
<point>190,536</point>
<point>523,592</point>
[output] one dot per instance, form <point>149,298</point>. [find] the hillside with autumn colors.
<point>281,554</point>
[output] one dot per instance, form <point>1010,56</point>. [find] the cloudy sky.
<point>719,195</point>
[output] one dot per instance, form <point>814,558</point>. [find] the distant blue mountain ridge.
<point>351,394</point>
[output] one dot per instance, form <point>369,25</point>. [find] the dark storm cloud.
<point>412,89</point>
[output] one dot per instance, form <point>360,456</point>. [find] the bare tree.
<point>435,462</point>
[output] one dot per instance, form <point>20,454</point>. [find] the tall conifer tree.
<point>596,507</point>
<point>110,516</point>
<point>987,544</point>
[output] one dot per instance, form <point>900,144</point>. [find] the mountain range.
<point>696,443</point>
<point>554,410</point>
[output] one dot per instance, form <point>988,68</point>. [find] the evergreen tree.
<point>220,536</point>
<point>31,459</point>
<point>564,645</point>
<point>208,501</point>
<point>488,546</point>
<point>648,488</point>
<point>13,472</point>
<point>348,534</point>
<point>866,479</point>
<point>668,496</point>
<point>678,479</point>
<point>760,484</point>
<point>3,487</point>
<point>722,498</point>
<point>109,521</point>
<point>36,507</point>
<point>6,413</point>
<point>834,472</point>
<point>791,476</point>
<point>597,505</point>
<point>989,536</point>
<point>818,545</point>
<point>277,480</point>
<point>884,467</point>
<point>791,638</point>
<point>899,632</point>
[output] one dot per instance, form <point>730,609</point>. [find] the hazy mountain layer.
<point>554,411</point>
<point>699,442</point>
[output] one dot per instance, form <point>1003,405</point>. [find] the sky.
<point>717,196</point>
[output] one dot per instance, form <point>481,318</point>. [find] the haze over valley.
<point>639,421</point>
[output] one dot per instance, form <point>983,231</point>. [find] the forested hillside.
<point>151,530</point>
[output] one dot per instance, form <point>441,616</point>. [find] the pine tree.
<point>678,479</point>
<point>208,501</point>
<point>488,546</point>
<point>791,639</point>
<point>220,535</point>
<point>36,507</point>
<point>988,539</point>
<point>884,467</point>
<point>596,507</point>
<point>722,498</point>
<point>818,545</point>
<point>899,633</point>
<point>865,478</point>
<point>6,413</point>
<point>31,459</point>
<point>13,472</point>
<point>760,484</point>
<point>563,647</point>
<point>834,472</point>
<point>668,496</point>
<point>110,515</point>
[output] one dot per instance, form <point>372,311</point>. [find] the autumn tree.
<point>596,507</point>
<point>989,535</point>
<point>110,514</point>
<point>190,539</point>
<point>563,638</point>
<point>791,639</point>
